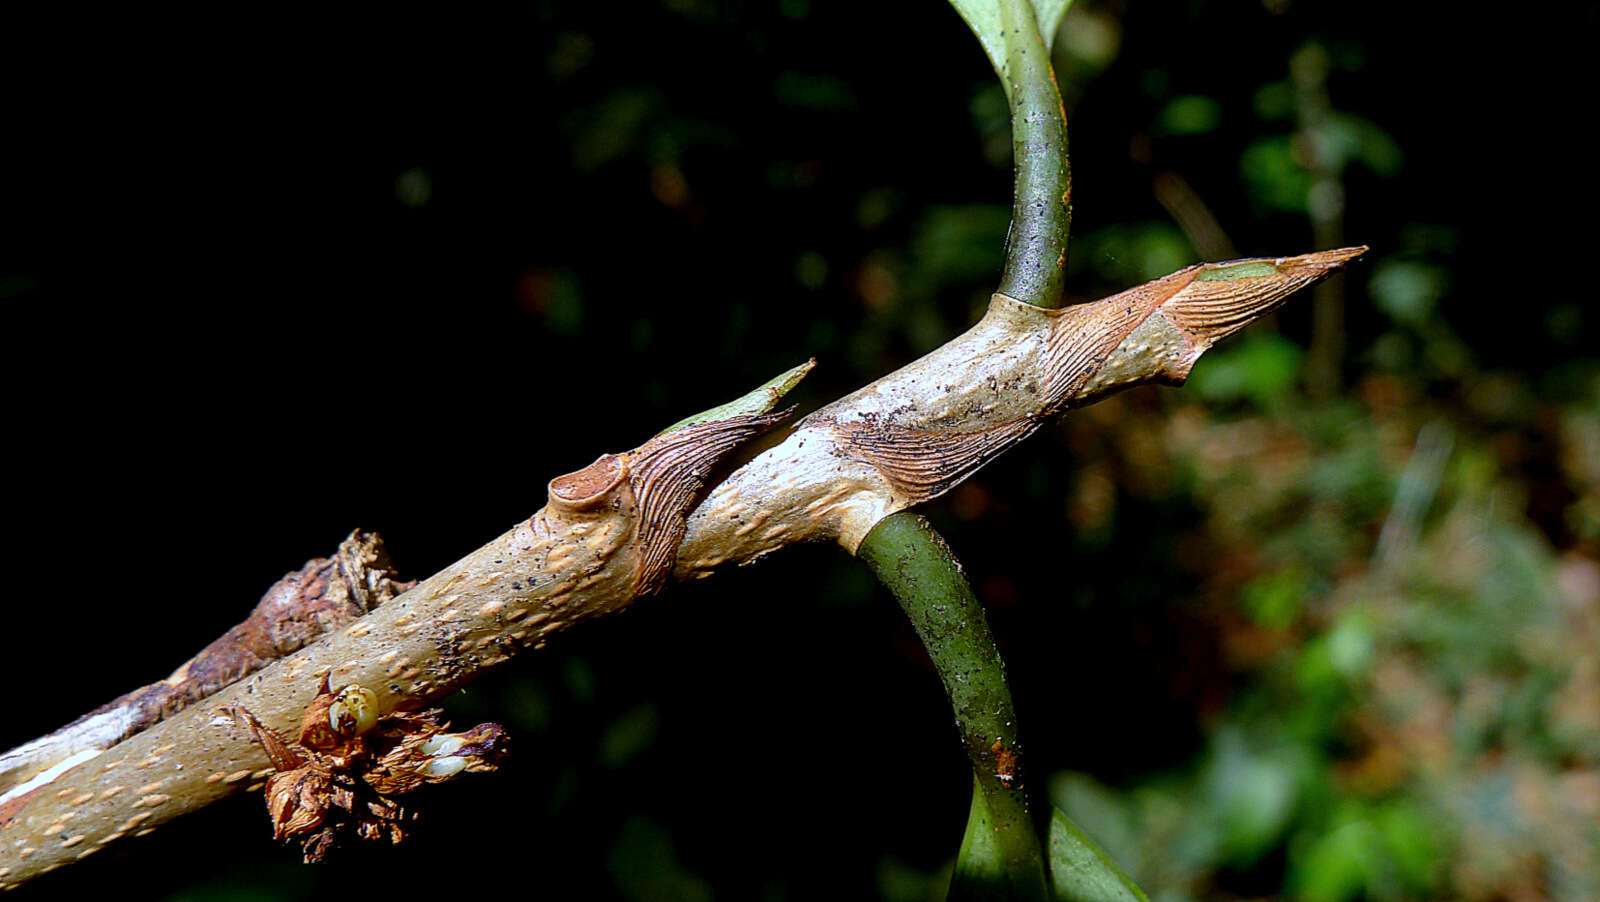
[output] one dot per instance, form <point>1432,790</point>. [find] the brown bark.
<point>616,529</point>
<point>323,595</point>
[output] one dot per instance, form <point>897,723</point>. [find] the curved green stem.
<point>1041,212</point>
<point>915,564</point>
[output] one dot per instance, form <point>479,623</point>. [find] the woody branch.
<point>624,525</point>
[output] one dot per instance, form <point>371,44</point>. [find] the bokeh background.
<point>1322,626</point>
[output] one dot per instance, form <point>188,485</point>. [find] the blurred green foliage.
<point>1424,729</point>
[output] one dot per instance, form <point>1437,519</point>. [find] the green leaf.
<point>1049,14</point>
<point>1274,600</point>
<point>1129,253</point>
<point>645,865</point>
<point>1251,793</point>
<point>983,17</point>
<point>1260,368</point>
<point>1098,810</point>
<point>1080,871</point>
<point>629,736</point>
<point>1273,175</point>
<point>1337,865</point>
<point>960,244</point>
<point>1411,841</point>
<point>980,872</point>
<point>1275,100</point>
<point>1408,290</point>
<point>1191,114</point>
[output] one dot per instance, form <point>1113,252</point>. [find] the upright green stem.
<point>1041,212</point>
<point>1308,72</point>
<point>915,564</point>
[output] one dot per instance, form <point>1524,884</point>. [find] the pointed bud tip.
<point>781,385</point>
<point>1326,261</point>
<point>1225,297</point>
<point>759,401</point>
<point>1315,264</point>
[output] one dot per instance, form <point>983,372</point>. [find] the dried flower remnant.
<point>338,777</point>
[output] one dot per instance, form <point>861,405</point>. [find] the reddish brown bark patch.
<point>321,596</point>
<point>588,484</point>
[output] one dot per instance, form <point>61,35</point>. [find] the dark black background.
<point>231,342</point>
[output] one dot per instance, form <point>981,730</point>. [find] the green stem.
<point>915,564</point>
<point>1308,72</point>
<point>1041,212</point>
